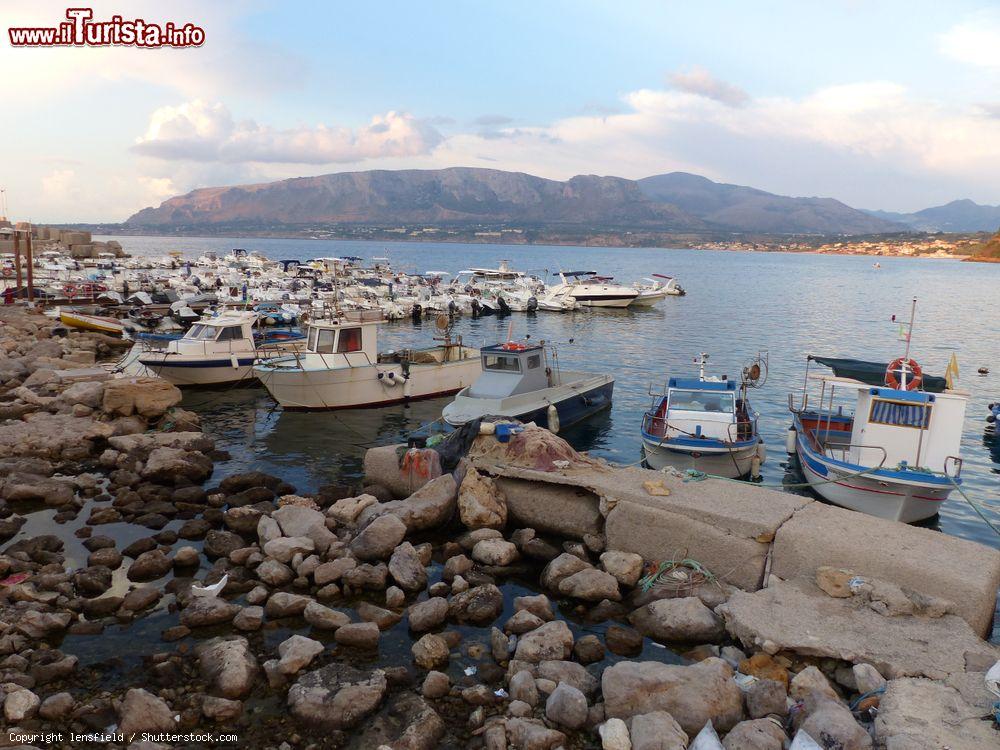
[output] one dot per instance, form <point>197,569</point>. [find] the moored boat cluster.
<point>440,604</point>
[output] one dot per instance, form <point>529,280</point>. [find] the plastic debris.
<point>210,591</point>
<point>745,681</point>
<point>561,464</point>
<point>993,685</point>
<point>469,671</point>
<point>856,583</point>
<point>707,739</point>
<point>501,693</point>
<point>15,579</point>
<point>657,488</point>
<point>803,741</point>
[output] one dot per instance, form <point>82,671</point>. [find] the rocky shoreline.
<point>139,593</point>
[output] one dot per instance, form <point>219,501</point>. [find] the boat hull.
<point>895,499</point>
<point>731,463</point>
<point>361,387</point>
<point>91,323</point>
<point>218,370</point>
<point>573,405</point>
<point>597,300</point>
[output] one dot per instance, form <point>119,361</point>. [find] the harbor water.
<point>738,304</point>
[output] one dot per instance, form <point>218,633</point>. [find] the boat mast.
<point>906,353</point>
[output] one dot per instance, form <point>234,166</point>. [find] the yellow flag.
<point>951,373</point>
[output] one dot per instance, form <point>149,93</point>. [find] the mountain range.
<point>677,201</point>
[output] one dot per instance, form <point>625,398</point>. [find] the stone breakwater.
<point>383,616</point>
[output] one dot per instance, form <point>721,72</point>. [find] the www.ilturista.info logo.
<point>80,30</point>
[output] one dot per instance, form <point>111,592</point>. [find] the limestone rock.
<point>144,712</point>
<point>479,605</point>
<point>208,610</point>
<point>296,653</point>
<point>680,620</point>
<point>831,724</point>
<point>481,503</point>
<point>766,697</point>
<point>428,614</point>
<point>497,552</point>
<point>693,694</point>
<point>551,641</point>
<point>20,705</point>
<point>759,734</point>
<point>532,734</point>
<point>284,604</point>
<point>337,696</point>
<point>657,730</point>
<point>562,567</point>
<point>347,509</point>
<point>228,666</point>
<point>406,568</point>
<point>566,706</point>
<point>324,618</point>
<point>626,567</point>
<point>917,714</point>
<point>591,585</point>
<point>430,652</point>
<point>360,635</point>
<point>378,539</point>
<point>835,582</point>
<point>614,735</point>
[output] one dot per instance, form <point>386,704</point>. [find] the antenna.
<point>906,354</point>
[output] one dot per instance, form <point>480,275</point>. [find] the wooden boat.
<point>89,322</point>
<point>894,453</point>
<point>705,424</point>
<point>342,368</point>
<point>517,382</point>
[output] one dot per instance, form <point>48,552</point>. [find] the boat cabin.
<point>871,425</point>
<point>227,332</point>
<point>351,337</point>
<point>510,369</point>
<point>700,409</point>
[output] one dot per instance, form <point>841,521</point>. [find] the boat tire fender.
<point>791,446</point>
<point>552,414</point>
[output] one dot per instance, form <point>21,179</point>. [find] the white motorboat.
<point>587,289</point>
<point>706,424</point>
<point>217,350</point>
<point>517,381</point>
<point>341,367</point>
<point>895,453</point>
<point>655,289</point>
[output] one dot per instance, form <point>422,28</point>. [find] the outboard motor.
<point>993,416</point>
<point>504,307</point>
<point>475,307</point>
<point>452,308</point>
<point>416,313</point>
<point>532,304</point>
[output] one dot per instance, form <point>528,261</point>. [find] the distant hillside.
<point>750,210</point>
<point>990,250</point>
<point>457,196</point>
<point>957,216</point>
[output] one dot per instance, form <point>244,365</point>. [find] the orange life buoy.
<point>70,291</point>
<point>513,346</point>
<point>914,378</point>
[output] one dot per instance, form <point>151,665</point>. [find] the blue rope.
<point>862,698</point>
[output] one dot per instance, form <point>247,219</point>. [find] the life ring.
<point>913,381</point>
<point>513,346</point>
<point>70,291</point>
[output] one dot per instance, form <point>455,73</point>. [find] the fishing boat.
<point>341,367</point>
<point>894,452</point>
<point>518,381</point>
<point>587,289</point>
<point>992,417</point>
<point>657,288</point>
<point>87,321</point>
<point>216,351</point>
<point>706,424</point>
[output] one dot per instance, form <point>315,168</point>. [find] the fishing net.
<point>532,448</point>
<point>680,576</point>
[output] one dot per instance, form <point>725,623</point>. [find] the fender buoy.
<point>915,375</point>
<point>552,415</point>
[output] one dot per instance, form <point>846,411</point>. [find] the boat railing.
<point>804,405</point>
<point>841,451</point>
<point>956,462</point>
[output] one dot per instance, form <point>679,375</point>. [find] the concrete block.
<point>382,467</point>
<point>660,534</point>
<point>554,508</point>
<point>928,562</point>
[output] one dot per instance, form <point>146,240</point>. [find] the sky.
<point>879,103</point>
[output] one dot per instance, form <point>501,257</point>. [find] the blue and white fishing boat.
<point>216,350</point>
<point>705,424</point>
<point>894,452</point>
<point>518,380</point>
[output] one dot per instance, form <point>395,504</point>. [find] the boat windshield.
<point>708,401</point>
<point>501,363</point>
<point>201,332</point>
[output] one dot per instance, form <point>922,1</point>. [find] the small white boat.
<point>88,322</point>
<point>218,350</point>
<point>894,453</point>
<point>705,424</point>
<point>656,289</point>
<point>587,289</point>
<point>341,368</point>
<point>517,381</point>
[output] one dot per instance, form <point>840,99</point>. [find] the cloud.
<point>975,41</point>
<point>206,132</point>
<point>698,81</point>
<point>493,121</point>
